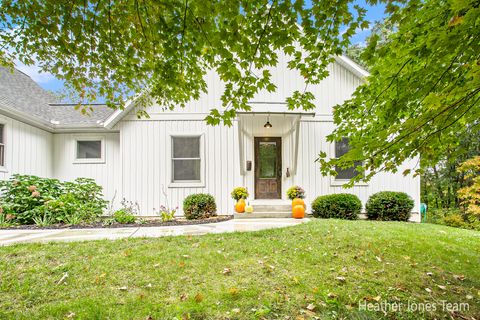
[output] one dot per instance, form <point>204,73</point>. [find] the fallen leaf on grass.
<point>430,274</point>
<point>311,307</point>
<point>459,277</point>
<point>233,291</point>
<point>442,287</point>
<point>331,295</point>
<point>370,298</point>
<point>341,279</point>
<point>227,271</point>
<point>183,297</point>
<point>124,288</point>
<point>198,298</point>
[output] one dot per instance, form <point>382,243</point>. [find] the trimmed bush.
<point>340,205</point>
<point>199,206</point>
<point>389,206</point>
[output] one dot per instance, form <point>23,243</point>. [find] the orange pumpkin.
<point>298,212</point>
<point>298,202</point>
<point>240,206</point>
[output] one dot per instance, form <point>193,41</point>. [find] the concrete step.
<point>258,215</point>
<point>272,208</point>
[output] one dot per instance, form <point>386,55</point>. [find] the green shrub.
<point>199,206</point>
<point>88,194</point>
<point>295,192</point>
<point>454,220</point>
<point>389,205</point>
<point>239,193</point>
<point>21,194</point>
<point>453,217</point>
<point>31,199</point>
<point>340,205</point>
<point>123,216</point>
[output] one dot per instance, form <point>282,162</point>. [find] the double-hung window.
<point>342,147</point>
<point>186,159</point>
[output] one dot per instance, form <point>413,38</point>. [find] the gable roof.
<point>344,61</point>
<point>21,97</point>
<point>24,99</point>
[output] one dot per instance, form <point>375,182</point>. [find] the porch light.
<point>267,124</point>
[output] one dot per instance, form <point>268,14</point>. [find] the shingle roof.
<point>18,91</point>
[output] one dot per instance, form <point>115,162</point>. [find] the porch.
<point>268,156</point>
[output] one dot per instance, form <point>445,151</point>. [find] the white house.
<point>177,151</point>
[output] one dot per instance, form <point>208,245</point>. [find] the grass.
<point>321,269</point>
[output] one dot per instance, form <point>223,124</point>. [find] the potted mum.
<point>297,194</point>
<point>239,194</point>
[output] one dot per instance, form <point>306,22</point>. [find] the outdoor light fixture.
<point>267,124</point>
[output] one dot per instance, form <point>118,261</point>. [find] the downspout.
<point>297,136</point>
<point>240,144</point>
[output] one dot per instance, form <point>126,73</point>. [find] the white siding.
<point>146,144</point>
<point>147,163</point>
<point>107,174</point>
<point>334,89</point>
<point>28,150</point>
<point>313,140</point>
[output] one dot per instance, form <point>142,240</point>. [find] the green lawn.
<point>320,269</point>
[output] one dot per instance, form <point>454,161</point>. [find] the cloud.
<point>35,73</point>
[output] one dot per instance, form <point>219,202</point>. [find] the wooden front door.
<point>268,168</point>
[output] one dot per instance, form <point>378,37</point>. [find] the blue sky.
<point>49,82</point>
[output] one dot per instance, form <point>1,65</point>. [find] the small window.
<point>342,147</point>
<point>89,150</point>
<point>186,160</point>
<point>2,145</point>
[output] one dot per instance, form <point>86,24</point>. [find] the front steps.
<point>267,209</point>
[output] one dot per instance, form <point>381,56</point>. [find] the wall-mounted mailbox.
<point>249,165</point>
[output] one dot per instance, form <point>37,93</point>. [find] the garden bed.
<point>141,223</point>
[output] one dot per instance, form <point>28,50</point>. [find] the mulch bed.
<point>144,223</point>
